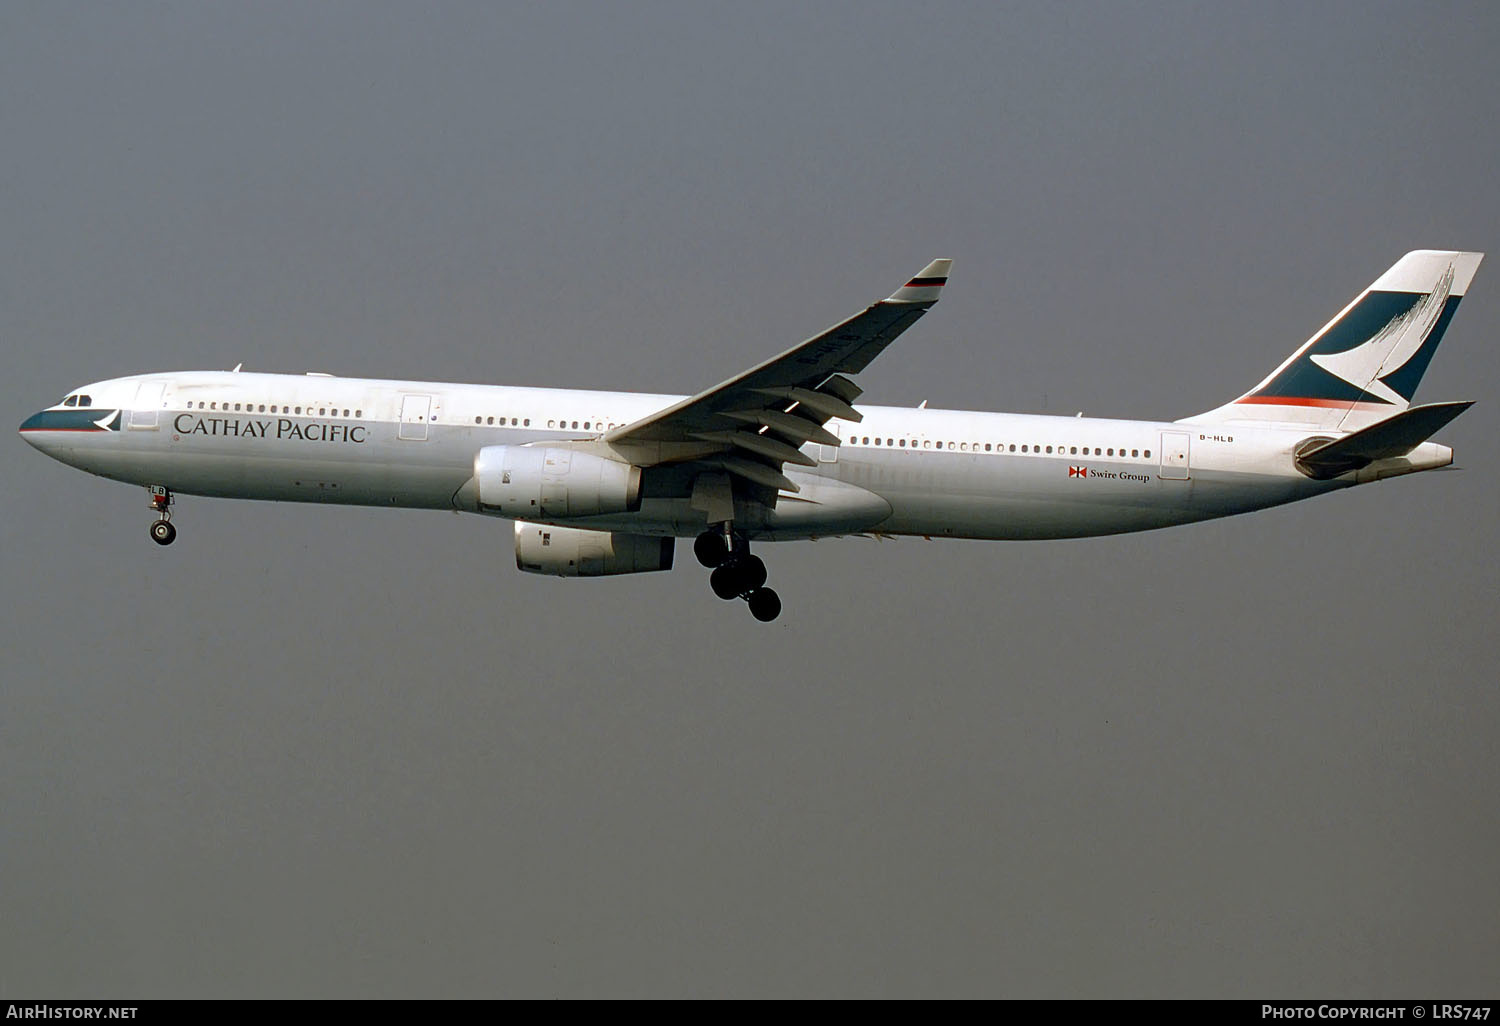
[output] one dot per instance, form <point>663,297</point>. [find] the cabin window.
<point>575,425</point>
<point>513,422</point>
<point>1148,454</point>
<point>322,411</point>
<point>1111,452</point>
<point>552,423</point>
<point>1135,452</point>
<point>359,413</point>
<point>528,422</point>
<point>586,425</point>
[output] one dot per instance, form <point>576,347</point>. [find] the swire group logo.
<point>1078,471</point>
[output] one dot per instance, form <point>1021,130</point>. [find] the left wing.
<point>755,422</point>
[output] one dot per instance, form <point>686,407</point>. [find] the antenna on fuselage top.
<point>237,368</point>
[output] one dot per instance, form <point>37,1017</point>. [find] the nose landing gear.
<point>736,573</point>
<point>162,531</point>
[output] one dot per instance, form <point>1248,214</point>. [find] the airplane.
<point>603,483</point>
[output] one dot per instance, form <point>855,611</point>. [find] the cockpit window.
<point>85,400</point>
<point>71,400</point>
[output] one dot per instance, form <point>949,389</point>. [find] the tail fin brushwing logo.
<point>1390,348</point>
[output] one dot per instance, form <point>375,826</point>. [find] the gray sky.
<point>340,752</point>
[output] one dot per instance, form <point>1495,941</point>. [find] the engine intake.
<point>542,483</point>
<point>574,552</point>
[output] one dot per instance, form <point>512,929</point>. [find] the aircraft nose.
<point>30,430</point>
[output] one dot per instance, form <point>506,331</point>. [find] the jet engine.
<point>543,483</point>
<point>573,552</point>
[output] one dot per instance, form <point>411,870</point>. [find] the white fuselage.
<point>937,473</point>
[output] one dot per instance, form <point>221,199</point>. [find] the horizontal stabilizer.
<point>1390,438</point>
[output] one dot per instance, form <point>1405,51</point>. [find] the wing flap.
<point>798,429</point>
<point>761,445</point>
<point>758,473</point>
<point>826,406</point>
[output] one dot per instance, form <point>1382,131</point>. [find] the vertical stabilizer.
<point>1364,365</point>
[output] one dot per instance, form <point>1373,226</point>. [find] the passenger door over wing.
<point>415,410</point>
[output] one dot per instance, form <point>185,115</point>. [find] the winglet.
<point>926,287</point>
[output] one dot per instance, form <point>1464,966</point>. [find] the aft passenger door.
<point>1174,456</point>
<point>415,409</point>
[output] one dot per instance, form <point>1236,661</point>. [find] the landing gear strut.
<point>162,531</point>
<point>736,573</point>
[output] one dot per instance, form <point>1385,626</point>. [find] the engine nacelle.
<point>573,552</point>
<point>542,483</point>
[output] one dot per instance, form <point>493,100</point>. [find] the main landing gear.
<point>736,573</point>
<point>162,531</point>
